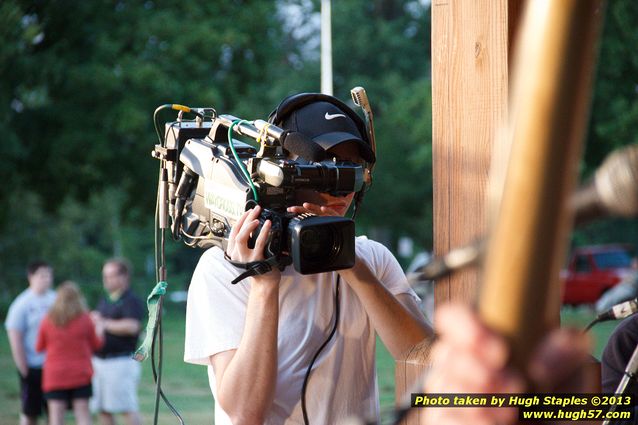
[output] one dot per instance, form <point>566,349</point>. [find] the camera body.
<point>206,191</point>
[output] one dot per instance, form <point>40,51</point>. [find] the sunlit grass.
<point>186,385</point>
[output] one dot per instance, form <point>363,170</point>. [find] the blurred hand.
<point>470,358</point>
<point>96,317</point>
<point>100,327</point>
<point>560,364</point>
<point>99,323</point>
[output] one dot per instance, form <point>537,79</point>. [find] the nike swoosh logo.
<point>333,116</point>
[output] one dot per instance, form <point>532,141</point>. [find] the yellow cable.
<point>179,107</point>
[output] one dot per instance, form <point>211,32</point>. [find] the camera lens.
<point>318,243</point>
<point>321,243</point>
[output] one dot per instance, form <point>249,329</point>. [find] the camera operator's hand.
<point>321,203</point>
<point>238,249</point>
<point>307,207</point>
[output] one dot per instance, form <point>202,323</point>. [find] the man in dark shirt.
<point>116,374</point>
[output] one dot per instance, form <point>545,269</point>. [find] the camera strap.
<point>252,268</point>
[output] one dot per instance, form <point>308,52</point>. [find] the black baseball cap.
<point>328,126</point>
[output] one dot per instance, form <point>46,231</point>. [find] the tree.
<point>384,46</point>
<point>79,82</point>
<point>78,86</point>
<point>614,114</point>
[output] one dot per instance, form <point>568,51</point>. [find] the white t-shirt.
<point>25,315</point>
<point>343,380</point>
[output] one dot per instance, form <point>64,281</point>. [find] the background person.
<point>22,324</point>
<point>259,337</point>
<point>616,354</point>
<point>117,375</point>
<point>68,336</point>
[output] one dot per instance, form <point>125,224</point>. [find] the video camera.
<point>208,179</point>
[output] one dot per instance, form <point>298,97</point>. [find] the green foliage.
<point>401,194</point>
<point>78,85</point>
<point>85,89</point>
<point>79,82</point>
<point>614,116</point>
<point>384,46</point>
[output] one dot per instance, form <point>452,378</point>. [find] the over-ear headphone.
<point>298,101</point>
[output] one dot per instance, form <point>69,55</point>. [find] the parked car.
<point>593,270</point>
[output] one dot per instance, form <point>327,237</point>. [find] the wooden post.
<point>548,112</point>
<point>469,102</point>
<point>470,54</point>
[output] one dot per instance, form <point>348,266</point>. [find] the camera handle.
<point>182,193</point>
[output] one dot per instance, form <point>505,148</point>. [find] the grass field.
<point>186,386</point>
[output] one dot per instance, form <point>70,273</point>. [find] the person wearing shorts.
<point>116,381</point>
<point>117,374</point>
<point>22,324</point>
<point>69,338</point>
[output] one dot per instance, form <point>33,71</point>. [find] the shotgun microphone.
<point>613,191</point>
<point>619,311</point>
<point>456,259</point>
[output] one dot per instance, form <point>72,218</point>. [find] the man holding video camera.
<point>282,347</point>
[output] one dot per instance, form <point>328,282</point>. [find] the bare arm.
<point>122,327</point>
<point>119,327</point>
<point>246,377</point>
<point>397,320</point>
<point>17,351</point>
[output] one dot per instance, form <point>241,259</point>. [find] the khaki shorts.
<point>115,382</point>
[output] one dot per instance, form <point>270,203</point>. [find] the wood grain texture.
<point>469,95</point>
<point>409,374</point>
<point>469,86</point>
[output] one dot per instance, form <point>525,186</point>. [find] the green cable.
<point>156,124</point>
<point>239,162</point>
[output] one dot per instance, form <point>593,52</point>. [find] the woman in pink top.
<point>69,337</point>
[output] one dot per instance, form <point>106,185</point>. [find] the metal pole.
<point>326,48</point>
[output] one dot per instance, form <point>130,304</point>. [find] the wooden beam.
<point>470,42</point>
<point>470,46</point>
